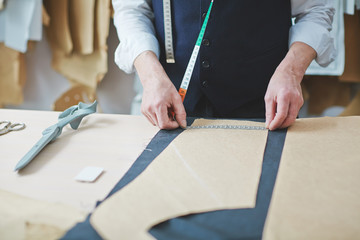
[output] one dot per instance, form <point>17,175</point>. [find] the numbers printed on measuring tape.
<point>169,49</point>
<point>190,67</point>
<point>239,127</point>
<point>189,70</point>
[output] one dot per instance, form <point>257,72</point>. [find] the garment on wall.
<point>13,76</point>
<point>77,35</point>
<point>20,21</point>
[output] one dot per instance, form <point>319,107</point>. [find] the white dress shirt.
<point>133,20</point>
<point>335,68</point>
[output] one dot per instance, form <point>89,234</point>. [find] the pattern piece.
<point>201,170</point>
<point>316,195</point>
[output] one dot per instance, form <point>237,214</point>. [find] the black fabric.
<point>245,42</point>
<point>231,224</point>
<point>225,224</point>
<point>162,139</point>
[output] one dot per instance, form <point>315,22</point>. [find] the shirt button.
<point>203,15</point>
<point>206,42</point>
<point>205,64</point>
<point>205,83</point>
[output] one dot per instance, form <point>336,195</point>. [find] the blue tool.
<point>7,126</point>
<point>72,115</point>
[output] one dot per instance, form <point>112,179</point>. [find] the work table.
<point>306,172</point>
<point>112,142</point>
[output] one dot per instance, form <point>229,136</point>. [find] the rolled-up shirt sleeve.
<point>133,20</point>
<point>313,23</point>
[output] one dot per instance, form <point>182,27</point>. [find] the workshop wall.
<point>336,94</point>
<point>44,85</point>
<point>58,70</point>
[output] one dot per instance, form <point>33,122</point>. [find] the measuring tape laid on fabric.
<point>169,45</point>
<point>239,127</point>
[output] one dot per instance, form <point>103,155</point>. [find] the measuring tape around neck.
<point>190,67</point>
<point>169,49</point>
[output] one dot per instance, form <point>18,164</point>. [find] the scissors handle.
<point>17,126</point>
<point>8,127</point>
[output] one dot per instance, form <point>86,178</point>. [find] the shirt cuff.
<point>131,47</point>
<point>318,38</point>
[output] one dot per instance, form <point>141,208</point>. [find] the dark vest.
<point>244,42</point>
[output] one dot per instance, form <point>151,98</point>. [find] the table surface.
<point>113,142</point>
<point>224,224</point>
<point>109,141</point>
<point>117,143</point>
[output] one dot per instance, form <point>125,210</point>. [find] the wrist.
<point>150,70</point>
<point>297,60</point>
<point>147,66</point>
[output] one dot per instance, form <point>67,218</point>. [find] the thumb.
<point>270,107</point>
<point>180,114</point>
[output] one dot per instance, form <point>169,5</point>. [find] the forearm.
<point>161,101</point>
<point>149,69</point>
<point>283,97</point>
<point>297,60</point>
<point>313,25</point>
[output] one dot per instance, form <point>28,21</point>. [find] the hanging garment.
<point>13,76</point>
<point>20,21</point>
<point>77,34</point>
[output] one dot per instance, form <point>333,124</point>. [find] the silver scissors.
<point>7,126</point>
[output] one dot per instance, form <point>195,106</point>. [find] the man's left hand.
<point>283,98</point>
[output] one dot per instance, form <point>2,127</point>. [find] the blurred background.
<point>54,54</point>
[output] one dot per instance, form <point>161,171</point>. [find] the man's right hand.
<point>160,97</point>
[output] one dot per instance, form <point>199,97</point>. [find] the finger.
<point>154,118</point>
<point>270,107</point>
<point>150,119</point>
<point>282,109</point>
<point>292,115</point>
<point>164,120</point>
<point>148,116</point>
<point>180,113</point>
